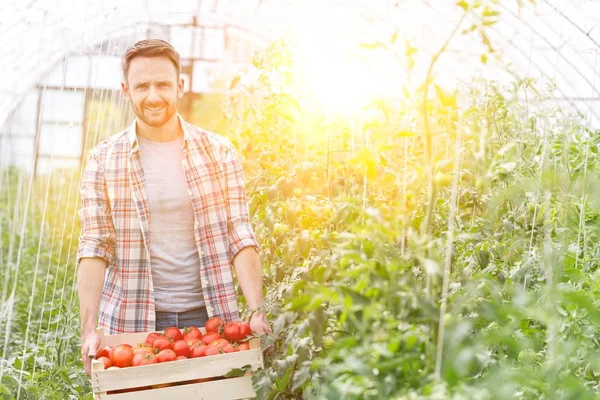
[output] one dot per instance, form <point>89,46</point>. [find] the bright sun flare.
<point>343,83</point>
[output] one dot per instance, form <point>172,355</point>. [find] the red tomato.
<point>198,351</point>
<point>214,324</point>
<point>105,352</point>
<point>194,342</point>
<point>106,361</point>
<point>246,330</point>
<point>166,355</point>
<point>144,359</point>
<point>181,358</point>
<point>212,351</point>
<point>163,343</point>
<point>233,332</point>
<point>181,348</point>
<point>219,343</point>
<point>228,348</point>
<point>143,348</point>
<point>152,337</point>
<point>174,333</point>
<point>191,333</point>
<point>127,345</point>
<point>243,346</point>
<point>122,356</point>
<point>209,337</point>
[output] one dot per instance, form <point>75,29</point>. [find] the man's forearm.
<point>90,283</point>
<point>249,275</point>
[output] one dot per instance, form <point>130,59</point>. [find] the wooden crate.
<point>180,372</point>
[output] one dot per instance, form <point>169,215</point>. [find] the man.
<point>163,216</point>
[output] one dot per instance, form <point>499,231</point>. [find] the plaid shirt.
<point>115,224</point>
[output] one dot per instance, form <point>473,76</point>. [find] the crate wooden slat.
<point>104,381</point>
<point>231,389</point>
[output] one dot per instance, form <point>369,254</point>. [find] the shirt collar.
<point>132,135</point>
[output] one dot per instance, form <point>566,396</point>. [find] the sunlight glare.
<point>343,82</point>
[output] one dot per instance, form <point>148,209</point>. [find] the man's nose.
<point>153,95</point>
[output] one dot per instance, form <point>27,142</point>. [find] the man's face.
<point>153,88</point>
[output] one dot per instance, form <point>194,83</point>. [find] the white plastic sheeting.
<point>554,39</point>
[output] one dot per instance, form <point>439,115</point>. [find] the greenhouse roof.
<point>556,39</point>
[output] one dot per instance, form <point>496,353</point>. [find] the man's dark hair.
<point>150,48</point>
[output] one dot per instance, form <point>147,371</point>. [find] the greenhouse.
<point>420,178</point>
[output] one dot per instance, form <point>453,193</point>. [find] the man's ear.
<point>125,89</point>
<point>180,87</point>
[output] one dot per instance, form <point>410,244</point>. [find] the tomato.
<point>127,345</point>
<point>194,342</point>
<point>246,330</point>
<point>191,333</point>
<point>166,355</point>
<point>198,351</point>
<point>219,343</point>
<point>228,348</point>
<point>233,332</point>
<point>144,359</point>
<point>209,337</point>
<point>174,333</point>
<point>143,348</point>
<point>212,351</point>
<point>214,324</point>
<point>181,358</point>
<point>122,356</point>
<point>237,331</point>
<point>181,348</point>
<point>105,352</point>
<point>106,361</point>
<point>152,337</point>
<point>243,346</point>
<point>164,342</point>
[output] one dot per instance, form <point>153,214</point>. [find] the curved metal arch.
<point>224,11</point>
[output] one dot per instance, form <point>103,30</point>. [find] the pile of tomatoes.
<point>175,344</point>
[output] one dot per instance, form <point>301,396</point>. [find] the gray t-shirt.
<point>173,251</point>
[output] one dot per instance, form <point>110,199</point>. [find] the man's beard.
<point>158,118</point>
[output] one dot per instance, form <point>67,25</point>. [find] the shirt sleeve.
<point>241,233</point>
<point>97,238</point>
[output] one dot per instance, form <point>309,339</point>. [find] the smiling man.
<point>163,216</point>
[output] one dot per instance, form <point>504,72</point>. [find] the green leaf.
<point>237,372</point>
<point>488,12</point>
<point>463,4</point>
<point>394,36</point>
<point>373,45</point>
<point>234,82</point>
<point>447,99</point>
<point>301,375</point>
<point>356,297</point>
<point>317,323</point>
<point>582,299</point>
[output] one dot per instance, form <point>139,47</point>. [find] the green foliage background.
<point>441,244</point>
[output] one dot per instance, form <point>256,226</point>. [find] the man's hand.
<point>89,346</point>
<point>259,323</point>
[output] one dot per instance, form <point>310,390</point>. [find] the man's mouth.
<point>154,108</point>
